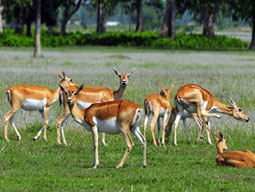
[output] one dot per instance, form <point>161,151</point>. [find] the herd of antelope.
<point>100,109</point>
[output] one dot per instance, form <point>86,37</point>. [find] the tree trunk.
<point>37,51</point>
<point>1,22</point>
<point>168,27</point>
<point>67,16</point>
<point>139,17</point>
<point>208,15</point>
<point>100,17</point>
<point>252,44</point>
<point>19,26</point>
<point>208,30</point>
<point>29,34</point>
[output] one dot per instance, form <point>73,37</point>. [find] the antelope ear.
<point>221,136</point>
<point>161,87</point>
<point>59,74</point>
<point>171,88</point>
<point>216,138</point>
<point>78,90</point>
<point>63,89</point>
<point>232,102</point>
<point>132,71</point>
<point>64,76</point>
<point>116,72</point>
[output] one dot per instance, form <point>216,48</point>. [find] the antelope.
<point>185,116</point>
<point>32,98</point>
<point>159,106</point>
<point>192,98</point>
<point>233,158</point>
<point>113,117</point>
<point>91,95</point>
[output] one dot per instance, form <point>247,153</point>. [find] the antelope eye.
<point>127,76</point>
<point>71,80</point>
<point>239,110</point>
<point>119,76</point>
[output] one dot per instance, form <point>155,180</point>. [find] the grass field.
<point>190,166</point>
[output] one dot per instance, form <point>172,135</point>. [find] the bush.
<point>129,39</point>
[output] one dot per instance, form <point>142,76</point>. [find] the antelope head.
<point>123,77</point>
<point>238,113</point>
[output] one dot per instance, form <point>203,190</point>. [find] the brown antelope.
<point>32,98</point>
<point>91,95</point>
<point>233,158</point>
<point>159,106</point>
<point>195,99</point>
<point>185,116</point>
<point>113,117</point>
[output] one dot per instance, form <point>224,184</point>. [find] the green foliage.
<point>128,39</point>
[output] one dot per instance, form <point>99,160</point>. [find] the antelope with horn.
<point>32,98</point>
<point>192,98</point>
<point>113,117</point>
<point>159,106</point>
<point>90,95</point>
<point>233,158</point>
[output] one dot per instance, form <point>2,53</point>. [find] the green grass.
<point>190,166</point>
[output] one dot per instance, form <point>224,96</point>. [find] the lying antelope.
<point>233,158</point>
<point>91,95</point>
<point>185,116</point>
<point>113,117</point>
<point>195,99</point>
<point>159,106</point>
<point>32,98</point>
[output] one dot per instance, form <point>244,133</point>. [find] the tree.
<point>1,22</point>
<point>168,27</point>
<point>204,11</point>
<point>100,16</point>
<point>139,17</point>
<point>70,8</point>
<point>37,52</point>
<point>244,10</point>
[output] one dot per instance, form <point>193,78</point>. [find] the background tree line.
<point>21,14</point>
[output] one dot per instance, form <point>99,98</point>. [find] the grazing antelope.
<point>91,95</point>
<point>113,117</point>
<point>192,98</point>
<point>32,98</point>
<point>233,158</point>
<point>159,106</point>
<point>185,116</point>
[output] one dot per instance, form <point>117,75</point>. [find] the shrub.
<point>129,39</point>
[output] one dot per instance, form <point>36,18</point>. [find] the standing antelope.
<point>195,99</point>
<point>233,158</point>
<point>198,120</point>
<point>90,95</point>
<point>32,98</point>
<point>113,117</point>
<point>159,106</point>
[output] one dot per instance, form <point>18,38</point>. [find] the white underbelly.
<point>83,105</point>
<point>84,124</point>
<point>162,112</point>
<point>33,104</point>
<point>108,126</point>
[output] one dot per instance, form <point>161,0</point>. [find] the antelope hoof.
<point>119,166</point>
<point>94,166</point>
<point>45,138</point>
<point>144,166</point>
<point>105,144</point>
<point>175,144</point>
<point>209,142</point>
<point>34,138</point>
<point>6,139</point>
<point>218,116</point>
<point>19,138</point>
